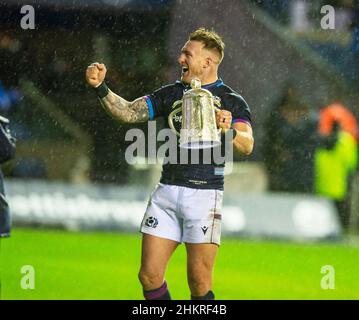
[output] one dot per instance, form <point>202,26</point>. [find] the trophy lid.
<point>196,89</point>
<point>196,84</point>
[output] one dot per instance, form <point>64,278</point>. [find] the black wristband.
<point>102,90</point>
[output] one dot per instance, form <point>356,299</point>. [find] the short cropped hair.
<point>210,39</point>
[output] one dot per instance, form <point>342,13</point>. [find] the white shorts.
<point>184,214</point>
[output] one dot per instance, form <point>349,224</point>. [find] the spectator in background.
<point>274,152</point>
<point>335,165</point>
<point>291,139</point>
<point>7,152</point>
<point>337,112</point>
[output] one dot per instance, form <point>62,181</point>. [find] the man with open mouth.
<point>186,206</point>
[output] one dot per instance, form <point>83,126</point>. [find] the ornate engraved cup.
<point>199,129</point>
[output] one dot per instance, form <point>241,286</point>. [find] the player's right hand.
<point>95,74</point>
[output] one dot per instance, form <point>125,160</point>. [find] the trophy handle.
<point>170,117</point>
<point>176,103</point>
<point>216,102</point>
<point>216,109</point>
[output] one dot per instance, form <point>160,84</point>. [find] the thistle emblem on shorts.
<point>151,222</point>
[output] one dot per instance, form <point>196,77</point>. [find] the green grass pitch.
<point>105,266</point>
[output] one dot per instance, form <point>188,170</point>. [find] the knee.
<point>150,279</point>
<point>199,284</point>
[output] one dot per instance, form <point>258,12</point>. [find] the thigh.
<point>156,253</point>
<point>200,263</point>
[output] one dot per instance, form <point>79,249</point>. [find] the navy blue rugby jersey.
<point>199,176</point>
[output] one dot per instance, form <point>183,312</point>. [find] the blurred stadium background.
<point>76,204</point>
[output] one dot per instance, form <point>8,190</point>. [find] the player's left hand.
<point>224,119</point>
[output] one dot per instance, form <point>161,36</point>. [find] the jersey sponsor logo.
<point>177,118</point>
<point>151,222</point>
<point>197,182</point>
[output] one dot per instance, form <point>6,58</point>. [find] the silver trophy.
<point>199,128</point>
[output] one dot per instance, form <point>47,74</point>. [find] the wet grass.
<point>105,266</point>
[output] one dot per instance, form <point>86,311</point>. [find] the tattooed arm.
<point>120,109</point>
<point>125,111</point>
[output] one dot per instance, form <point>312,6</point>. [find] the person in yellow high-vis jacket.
<point>335,165</point>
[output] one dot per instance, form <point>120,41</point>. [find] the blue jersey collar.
<point>217,83</point>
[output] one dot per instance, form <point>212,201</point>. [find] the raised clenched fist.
<point>95,74</point>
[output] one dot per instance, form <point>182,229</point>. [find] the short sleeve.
<point>239,108</point>
<point>156,102</point>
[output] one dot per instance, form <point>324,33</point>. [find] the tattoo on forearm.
<point>125,111</point>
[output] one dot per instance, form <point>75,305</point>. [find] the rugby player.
<point>186,205</point>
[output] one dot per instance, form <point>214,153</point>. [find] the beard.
<point>190,75</point>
